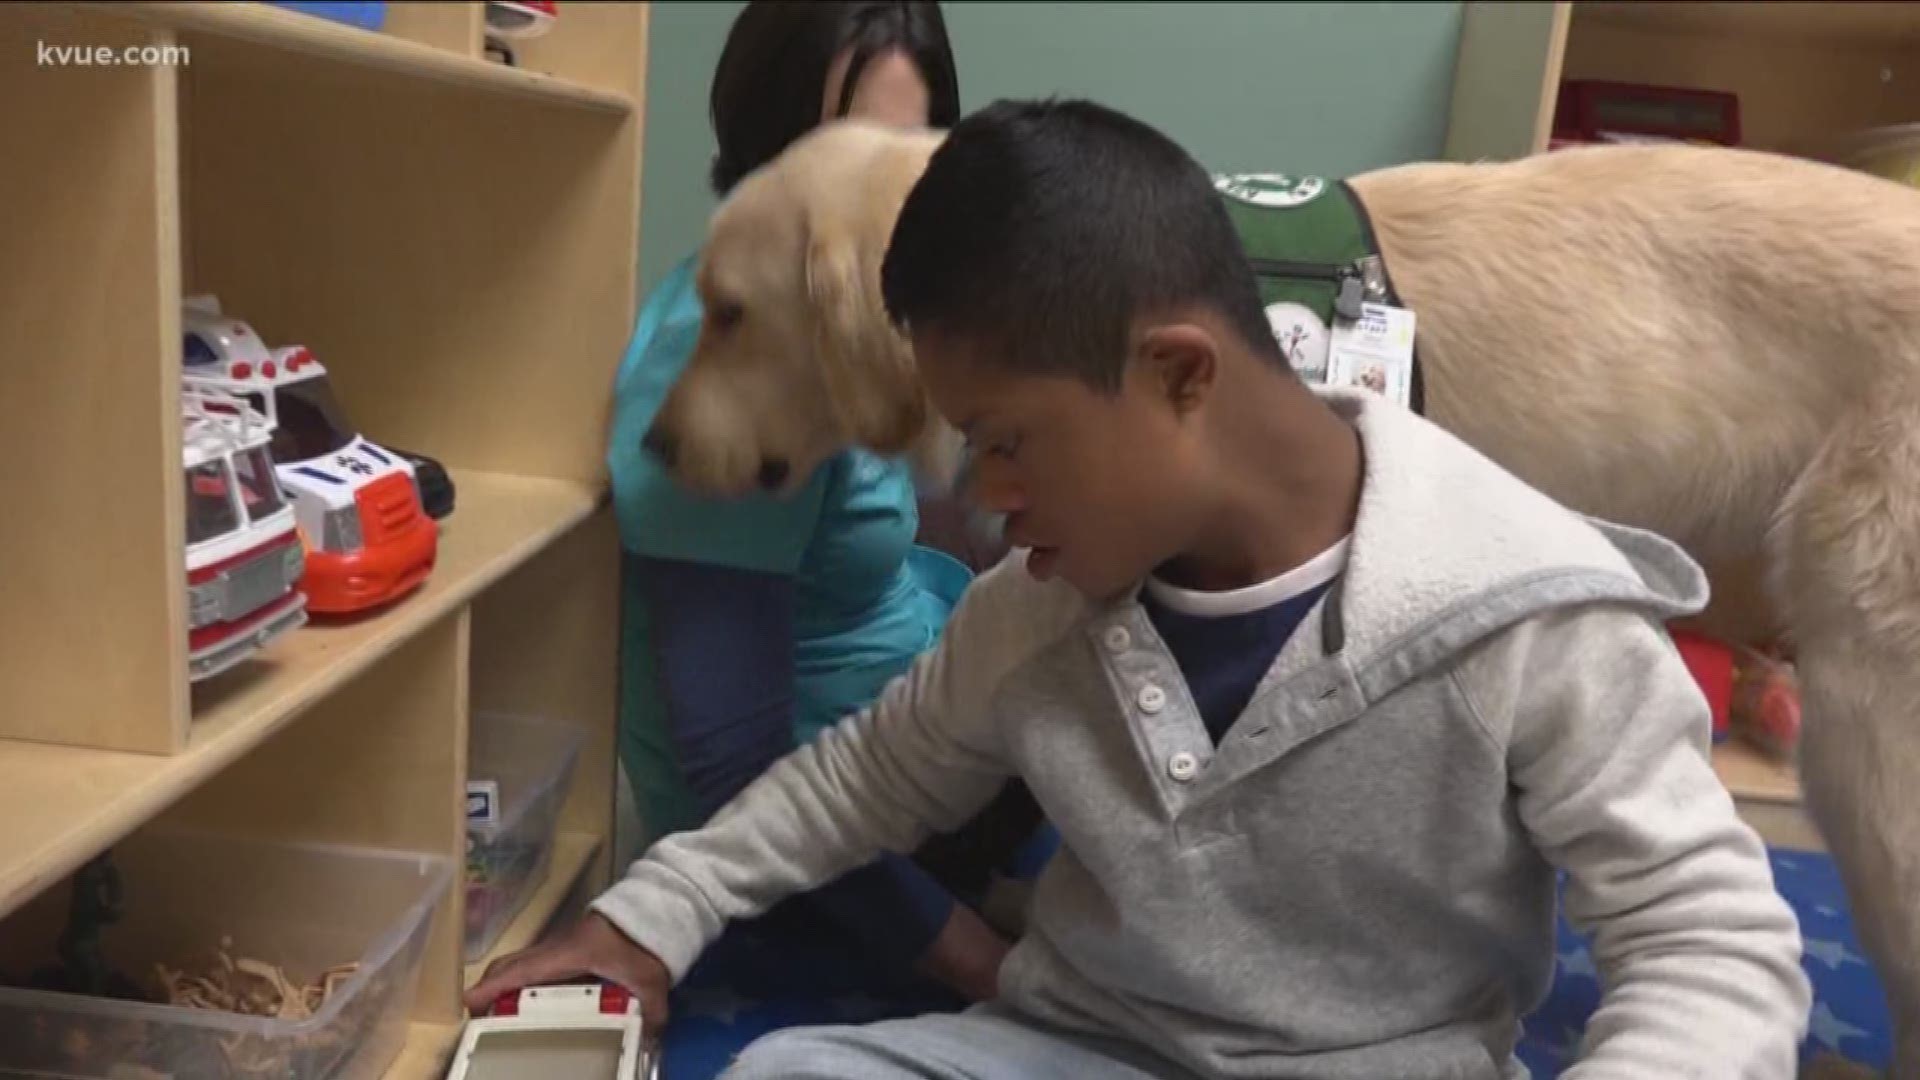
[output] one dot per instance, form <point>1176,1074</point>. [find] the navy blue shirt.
<point>1225,642</point>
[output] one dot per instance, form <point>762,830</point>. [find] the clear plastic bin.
<point>533,762</point>
<point>303,907</point>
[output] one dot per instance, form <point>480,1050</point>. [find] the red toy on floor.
<point>1750,693</point>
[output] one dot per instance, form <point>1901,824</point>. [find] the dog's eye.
<point>726,315</point>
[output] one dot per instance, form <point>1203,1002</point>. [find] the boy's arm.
<point>923,757</point>
<point>1608,743</point>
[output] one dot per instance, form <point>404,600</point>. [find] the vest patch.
<point>1303,337</point>
<point>1271,190</point>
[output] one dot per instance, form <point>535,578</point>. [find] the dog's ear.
<point>867,363</point>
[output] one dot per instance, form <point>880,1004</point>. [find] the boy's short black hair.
<point>773,70</point>
<point>1041,229</point>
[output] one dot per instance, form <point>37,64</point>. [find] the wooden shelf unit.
<point>1805,73</point>
<point>457,240</point>
<point>421,40</point>
<point>1807,76</point>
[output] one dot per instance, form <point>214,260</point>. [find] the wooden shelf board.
<point>62,804</point>
<point>572,852</point>
<point>1752,776</point>
<point>1818,21</point>
<point>298,32</point>
<point>427,1054</point>
<point>1767,793</point>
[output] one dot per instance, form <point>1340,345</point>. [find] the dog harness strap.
<point>1312,247</point>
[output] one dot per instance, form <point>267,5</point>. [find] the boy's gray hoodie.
<point>1358,882</point>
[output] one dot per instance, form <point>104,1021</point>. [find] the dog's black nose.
<point>773,472</point>
<point>659,444</point>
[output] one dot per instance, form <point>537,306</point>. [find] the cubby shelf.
<point>1803,72</point>
<point>1822,21</point>
<point>63,804</point>
<point>470,290</point>
<point>455,61</point>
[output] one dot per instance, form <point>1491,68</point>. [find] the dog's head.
<point>796,358</point>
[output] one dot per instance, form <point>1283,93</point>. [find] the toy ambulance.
<point>510,21</point>
<point>545,1032</point>
<point>243,552</point>
<point>368,539</point>
<point>520,19</point>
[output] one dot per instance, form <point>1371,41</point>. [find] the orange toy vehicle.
<point>368,540</point>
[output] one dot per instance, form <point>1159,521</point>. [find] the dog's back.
<point>1657,334</point>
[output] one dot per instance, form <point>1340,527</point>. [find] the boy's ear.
<point>1185,361</point>
<point>866,363</point>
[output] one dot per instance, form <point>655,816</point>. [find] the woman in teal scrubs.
<point>751,624</point>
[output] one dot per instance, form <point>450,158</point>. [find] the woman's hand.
<point>591,946</point>
<point>966,956</point>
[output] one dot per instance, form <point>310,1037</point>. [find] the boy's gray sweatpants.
<point>987,1042</point>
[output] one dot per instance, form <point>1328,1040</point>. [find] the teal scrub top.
<point>867,599</point>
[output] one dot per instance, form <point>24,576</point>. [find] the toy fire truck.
<point>243,550</point>
<point>368,539</point>
<point>553,1031</point>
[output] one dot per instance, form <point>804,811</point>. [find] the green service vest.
<point>1310,244</point>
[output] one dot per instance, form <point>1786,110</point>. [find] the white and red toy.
<point>544,1032</point>
<point>358,506</point>
<point>243,552</point>
<point>519,20</point>
<point>512,21</point>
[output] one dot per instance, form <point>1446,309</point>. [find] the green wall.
<point>1330,88</point>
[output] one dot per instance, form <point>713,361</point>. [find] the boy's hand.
<point>591,946</point>
<point>966,956</point>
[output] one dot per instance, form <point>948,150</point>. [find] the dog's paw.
<point>1831,1067</point>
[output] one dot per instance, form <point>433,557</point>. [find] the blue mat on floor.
<point>744,988</point>
<point>1849,1013</point>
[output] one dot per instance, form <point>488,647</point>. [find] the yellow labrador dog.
<point>1719,345</point>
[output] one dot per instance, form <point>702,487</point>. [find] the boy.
<point>1318,697</point>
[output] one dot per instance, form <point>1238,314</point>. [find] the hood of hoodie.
<point>1447,547</point>
<point>1450,548</point>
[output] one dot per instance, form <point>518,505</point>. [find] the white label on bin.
<point>483,802</point>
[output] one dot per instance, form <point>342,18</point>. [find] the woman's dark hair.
<point>773,71</point>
